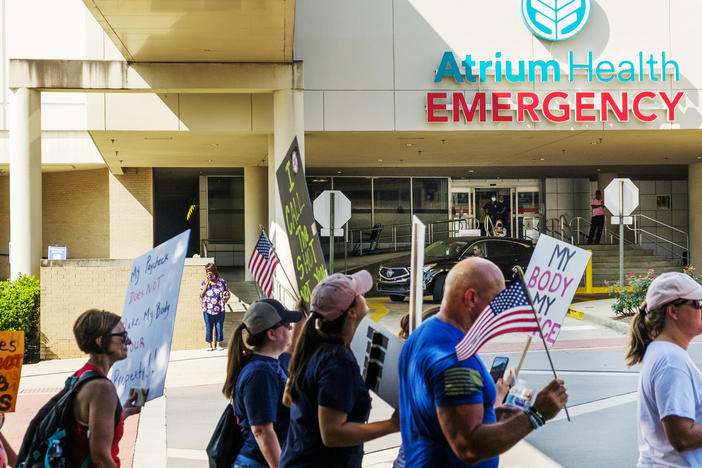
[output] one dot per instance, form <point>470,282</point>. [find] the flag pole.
<point>520,272</point>
<point>295,293</point>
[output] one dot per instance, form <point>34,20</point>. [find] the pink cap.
<point>335,293</point>
<point>669,287</point>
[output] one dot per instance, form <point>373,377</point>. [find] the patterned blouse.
<point>213,301</point>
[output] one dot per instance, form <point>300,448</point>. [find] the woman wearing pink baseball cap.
<point>329,401</point>
<point>670,384</point>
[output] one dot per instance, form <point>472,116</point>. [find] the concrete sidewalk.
<point>145,443</point>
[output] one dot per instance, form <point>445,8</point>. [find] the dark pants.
<point>216,321</point>
<point>596,225</point>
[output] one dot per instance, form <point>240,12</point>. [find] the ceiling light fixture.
<point>408,144</point>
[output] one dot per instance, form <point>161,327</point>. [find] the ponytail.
<point>316,336</point>
<point>645,327</point>
<point>238,356</point>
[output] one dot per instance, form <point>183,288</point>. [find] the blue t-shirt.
<point>431,376</point>
<point>258,399</point>
<point>333,381</point>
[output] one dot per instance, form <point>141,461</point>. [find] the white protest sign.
<point>416,273</point>
<point>377,352</point>
<point>552,278</point>
<point>148,316</point>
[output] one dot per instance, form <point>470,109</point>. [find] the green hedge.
<point>19,310</point>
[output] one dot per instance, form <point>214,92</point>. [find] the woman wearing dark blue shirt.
<point>329,401</point>
<point>256,376</point>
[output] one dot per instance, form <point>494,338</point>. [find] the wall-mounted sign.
<point>555,106</point>
<point>555,20</point>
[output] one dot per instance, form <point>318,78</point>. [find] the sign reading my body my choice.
<point>148,316</point>
<point>303,237</point>
<point>552,278</point>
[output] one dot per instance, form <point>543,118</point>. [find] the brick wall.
<point>131,213</point>
<point>75,213</point>
<point>70,287</point>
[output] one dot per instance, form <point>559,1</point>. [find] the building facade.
<point>126,123</point>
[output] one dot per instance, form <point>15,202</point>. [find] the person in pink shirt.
<point>597,221</point>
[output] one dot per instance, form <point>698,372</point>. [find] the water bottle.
<point>519,396</point>
<point>55,455</point>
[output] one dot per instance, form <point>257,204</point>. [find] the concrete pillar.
<point>694,193</point>
<point>255,209</point>
<point>25,182</point>
<point>288,123</point>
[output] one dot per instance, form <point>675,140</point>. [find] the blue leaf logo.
<point>555,20</point>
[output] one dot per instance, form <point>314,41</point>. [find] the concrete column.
<point>255,209</point>
<point>603,180</point>
<point>288,123</point>
<point>25,182</point>
<point>694,193</point>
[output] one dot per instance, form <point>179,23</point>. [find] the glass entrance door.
<point>527,216</point>
<point>493,206</point>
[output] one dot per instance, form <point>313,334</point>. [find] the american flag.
<point>509,312</point>
<point>262,264</point>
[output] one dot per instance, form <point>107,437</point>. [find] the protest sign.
<point>11,358</point>
<point>377,352</point>
<point>148,316</point>
<point>305,247</point>
<point>552,278</point>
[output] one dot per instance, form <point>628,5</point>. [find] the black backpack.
<point>226,441</point>
<point>47,440</point>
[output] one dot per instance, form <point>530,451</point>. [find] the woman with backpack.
<point>98,422</point>
<point>257,370</point>
<point>330,402</point>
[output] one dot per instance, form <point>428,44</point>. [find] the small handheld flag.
<point>509,312</point>
<point>262,264</point>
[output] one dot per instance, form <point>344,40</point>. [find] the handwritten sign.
<point>552,278</point>
<point>148,316</point>
<point>11,358</point>
<point>305,247</point>
<point>377,352</point>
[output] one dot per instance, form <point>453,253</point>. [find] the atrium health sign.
<point>552,278</point>
<point>555,20</point>
<point>148,316</point>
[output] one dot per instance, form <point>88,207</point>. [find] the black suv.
<point>441,256</point>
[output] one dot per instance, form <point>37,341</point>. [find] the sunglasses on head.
<point>696,303</point>
<point>123,335</point>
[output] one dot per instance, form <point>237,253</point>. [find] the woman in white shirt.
<point>670,385</point>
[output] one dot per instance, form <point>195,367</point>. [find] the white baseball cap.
<point>669,287</point>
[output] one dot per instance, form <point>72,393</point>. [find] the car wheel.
<point>395,298</point>
<point>438,291</point>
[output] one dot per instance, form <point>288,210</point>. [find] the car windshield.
<point>445,248</point>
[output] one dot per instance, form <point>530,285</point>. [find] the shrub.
<point>635,291</point>
<point>19,310</point>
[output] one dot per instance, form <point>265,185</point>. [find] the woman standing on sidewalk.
<point>256,374</point>
<point>670,384</point>
<point>330,402</point>
<point>214,294</point>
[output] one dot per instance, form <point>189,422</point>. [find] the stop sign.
<point>631,197</point>
<point>322,208</point>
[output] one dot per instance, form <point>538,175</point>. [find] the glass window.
<point>225,197</point>
<point>445,248</point>
<point>430,203</point>
<point>358,191</point>
<point>527,202</point>
<point>317,185</point>
<point>391,198</point>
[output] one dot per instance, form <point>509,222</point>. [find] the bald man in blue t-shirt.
<point>446,405</point>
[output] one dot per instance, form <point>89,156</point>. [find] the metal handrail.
<point>461,223</point>
<point>638,231</point>
<point>203,248</point>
